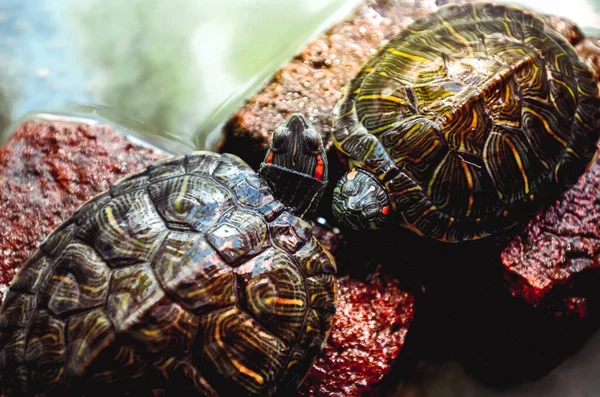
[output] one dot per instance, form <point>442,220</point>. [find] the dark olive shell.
<point>187,278</point>
<point>471,117</point>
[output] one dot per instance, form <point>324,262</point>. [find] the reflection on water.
<point>180,65</point>
<point>38,65</point>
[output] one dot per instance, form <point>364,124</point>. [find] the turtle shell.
<point>189,277</point>
<point>470,118</point>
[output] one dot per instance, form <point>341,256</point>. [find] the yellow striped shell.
<point>186,279</point>
<point>468,119</point>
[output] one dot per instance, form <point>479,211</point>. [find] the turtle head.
<point>295,165</point>
<point>360,201</point>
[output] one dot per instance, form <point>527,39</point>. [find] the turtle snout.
<point>360,201</point>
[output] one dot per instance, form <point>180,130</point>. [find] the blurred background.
<point>184,67</point>
<point>181,66</point>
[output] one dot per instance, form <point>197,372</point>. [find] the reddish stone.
<point>369,330</point>
<point>565,27</point>
<point>589,50</point>
<point>47,170</point>
<point>558,243</point>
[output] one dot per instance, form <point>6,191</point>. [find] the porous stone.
<point>548,263</point>
<point>369,330</point>
<point>47,170</point>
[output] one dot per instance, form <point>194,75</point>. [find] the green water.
<point>185,66</point>
<point>181,66</point>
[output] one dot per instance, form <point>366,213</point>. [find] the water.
<point>181,66</point>
<point>178,65</point>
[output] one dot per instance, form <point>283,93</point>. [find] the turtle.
<point>463,125</point>
<point>197,276</point>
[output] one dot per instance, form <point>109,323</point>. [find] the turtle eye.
<point>350,188</point>
<point>312,140</point>
<point>280,136</point>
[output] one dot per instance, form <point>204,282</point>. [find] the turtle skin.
<point>471,119</point>
<point>186,278</point>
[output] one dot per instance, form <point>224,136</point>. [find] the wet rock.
<point>370,326</point>
<point>549,262</point>
<point>589,50</point>
<point>47,170</point>
<point>369,330</point>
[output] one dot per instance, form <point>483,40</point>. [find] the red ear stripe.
<point>319,168</point>
<point>269,158</point>
<point>385,210</point>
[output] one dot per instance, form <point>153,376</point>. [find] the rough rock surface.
<point>369,330</point>
<point>559,243</point>
<point>589,50</point>
<point>47,170</point>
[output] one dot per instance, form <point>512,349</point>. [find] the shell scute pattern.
<point>125,231</point>
<point>130,183</point>
<point>166,327</point>
<point>289,232</point>
<point>238,234</point>
<point>202,163</point>
<point>253,192</point>
<point>89,334</point>
<point>45,348</point>
<point>145,280</point>
<point>167,168</point>
<point>315,259</point>
<point>253,364</point>
<point>478,111</point>
<point>79,281</point>
<point>193,272</point>
<point>18,312</point>
<point>116,362</point>
<point>231,170</point>
<point>56,241</point>
<point>85,212</point>
<point>190,202</point>
<point>275,291</point>
<point>29,277</point>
